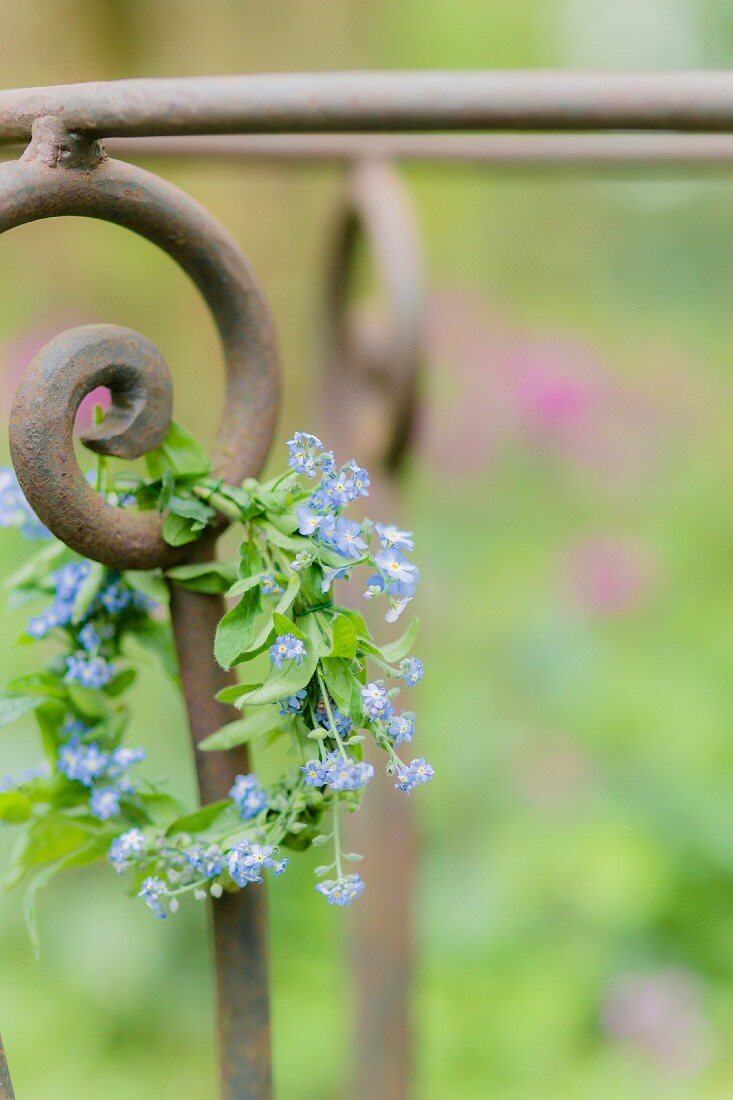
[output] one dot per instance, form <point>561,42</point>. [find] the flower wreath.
<point>308,686</point>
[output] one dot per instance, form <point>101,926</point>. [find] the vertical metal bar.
<point>239,919</point>
<point>6,1085</point>
<point>370,396</point>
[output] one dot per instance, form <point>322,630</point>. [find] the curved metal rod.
<point>373,355</point>
<point>34,188</point>
<point>62,175</point>
<point>370,391</point>
<point>426,100</point>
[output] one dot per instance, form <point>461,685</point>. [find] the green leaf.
<point>37,683</point>
<point>283,625</point>
<point>232,692</point>
<point>282,682</point>
<point>38,566</point>
<point>190,507</point>
<point>178,531</point>
<point>358,621</point>
<point>395,651</point>
<point>160,809</point>
<point>210,576</point>
<point>285,542</point>
<point>88,702</point>
<point>88,591</point>
<point>121,682</point>
<point>242,731</point>
<point>261,641</point>
<point>339,681</point>
<point>199,820</point>
<point>49,838</point>
<point>148,582</point>
<point>15,807</point>
<point>236,630</point>
<point>13,707</point>
<point>244,585</point>
<point>344,638</point>
<point>180,452</point>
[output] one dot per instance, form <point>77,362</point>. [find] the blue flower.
<point>411,670</point>
<point>341,891</point>
<point>359,483</point>
<point>208,861</point>
<point>315,773</point>
<point>15,511</point>
<point>39,626</point>
<point>115,597</point>
<point>105,803</point>
<point>412,775</point>
<point>341,721</point>
<point>69,579</point>
<point>348,538</point>
<point>293,704</point>
<point>125,848</point>
<point>246,862</point>
<point>287,647</point>
<point>337,489</point>
<point>269,585</point>
<point>349,775</point>
<point>331,575</point>
<point>84,763</point>
<point>395,568</point>
<point>401,727</point>
<point>248,796</point>
<point>303,449</point>
<point>375,587</point>
<point>88,638</point>
<point>92,672</point>
<point>154,893</point>
<point>124,758</point>
<point>375,701</point>
<point>391,536</point>
<point>308,521</point>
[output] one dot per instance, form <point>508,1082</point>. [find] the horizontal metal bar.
<point>383,101</point>
<point>509,151</point>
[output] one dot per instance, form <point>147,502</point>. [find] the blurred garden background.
<point>575,910</point>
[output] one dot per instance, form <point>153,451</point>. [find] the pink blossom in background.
<point>660,1014</point>
<point>16,354</point>
<point>609,574</point>
<point>496,387</point>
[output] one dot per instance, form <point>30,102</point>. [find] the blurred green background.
<point>575,911</point>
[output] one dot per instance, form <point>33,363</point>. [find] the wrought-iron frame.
<point>65,170</point>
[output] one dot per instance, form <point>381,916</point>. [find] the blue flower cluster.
<point>338,772</point>
<point>412,775</point>
<point>114,607</point>
<point>321,520</point>
<point>293,704</point>
<point>246,861</point>
<point>287,647</point>
<point>104,773</point>
<point>248,796</point>
<point>341,891</point>
<point>15,511</point>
